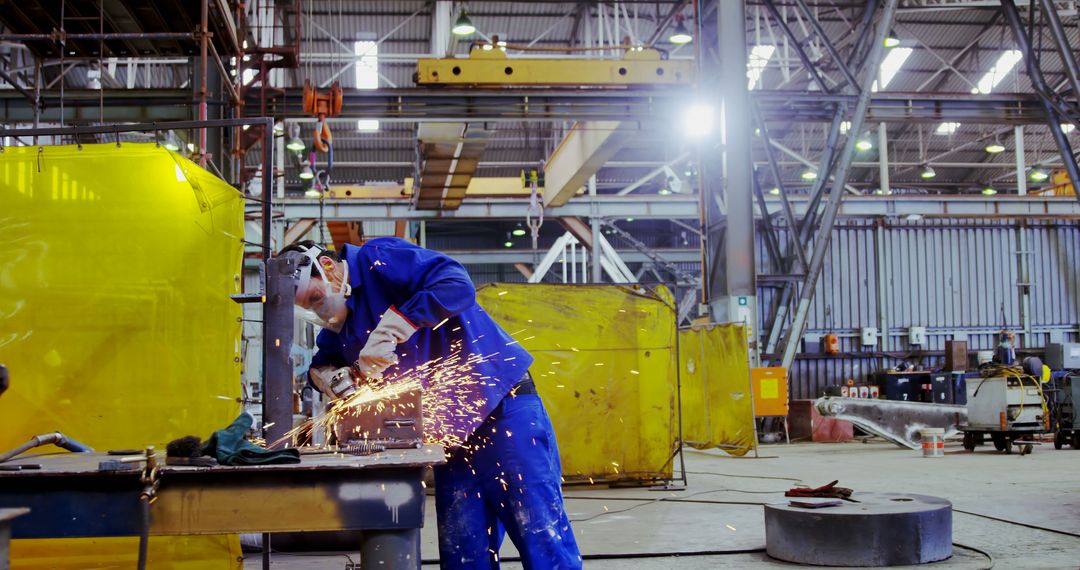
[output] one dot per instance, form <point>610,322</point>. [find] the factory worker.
<point>388,306</point>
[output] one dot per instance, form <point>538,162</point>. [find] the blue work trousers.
<point>507,479</point>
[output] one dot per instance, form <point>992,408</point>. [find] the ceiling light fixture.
<point>995,147</point>
<point>891,41</point>
<point>988,191</point>
<point>306,173</point>
<point>864,143</point>
<point>927,172</point>
<point>295,143</point>
<point>463,26</point>
<point>808,175</point>
<point>680,35</point>
<point>519,230</point>
<point>1038,174</point>
<point>775,190</point>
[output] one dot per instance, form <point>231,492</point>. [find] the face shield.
<point>322,286</point>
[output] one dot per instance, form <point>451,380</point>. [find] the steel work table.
<point>381,494</point>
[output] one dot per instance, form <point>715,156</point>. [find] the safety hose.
<point>56,438</point>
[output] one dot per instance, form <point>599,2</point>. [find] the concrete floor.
<point>1041,489</point>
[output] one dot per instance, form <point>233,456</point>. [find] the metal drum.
<point>882,529</point>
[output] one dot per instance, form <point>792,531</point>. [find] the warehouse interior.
<point>789,282</point>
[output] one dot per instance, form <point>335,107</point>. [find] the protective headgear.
<point>321,300</point>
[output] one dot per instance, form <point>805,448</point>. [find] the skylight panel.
<point>367,75</point>
<point>947,128</point>
<point>1005,63</point>
<point>890,66</point>
<point>759,58</point>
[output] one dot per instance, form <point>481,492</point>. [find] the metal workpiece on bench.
<point>896,421</point>
<point>69,497</point>
<point>277,397</point>
<point>877,529</point>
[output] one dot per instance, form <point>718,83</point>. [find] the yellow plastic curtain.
<point>716,397</point>
<point>116,266</point>
<point>605,368</point>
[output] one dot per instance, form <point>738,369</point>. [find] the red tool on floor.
<point>830,491</point>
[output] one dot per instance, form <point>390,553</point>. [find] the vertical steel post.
<point>828,219</point>
<point>204,38</point>
<point>881,261</point>
<point>734,299</point>
<point>1021,174</point>
<point>883,159</point>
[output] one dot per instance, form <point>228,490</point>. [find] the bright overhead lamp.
<point>927,172</point>
<point>508,243</point>
<point>1038,174</point>
<point>680,35</point>
<point>306,173</point>
<point>883,192</point>
<point>988,191</point>
<point>775,190</point>
<point>312,193</point>
<point>279,128</point>
<point>698,120</point>
<point>629,219</point>
<point>171,141</point>
<point>519,230</point>
<point>891,41</point>
<point>864,144</point>
<point>808,175</point>
<point>463,26</point>
<point>664,192</point>
<point>995,147</point>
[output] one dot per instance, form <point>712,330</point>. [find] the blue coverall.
<point>507,478</point>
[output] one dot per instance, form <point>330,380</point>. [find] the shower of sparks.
<point>449,399</point>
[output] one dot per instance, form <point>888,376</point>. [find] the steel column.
<point>883,159</point>
<point>1021,168</point>
<point>735,298</point>
<point>824,233</point>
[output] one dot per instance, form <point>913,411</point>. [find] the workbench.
<point>381,494</point>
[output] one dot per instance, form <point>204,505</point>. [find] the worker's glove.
<point>378,354</point>
<point>336,383</point>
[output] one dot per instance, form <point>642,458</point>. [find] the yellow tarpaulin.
<point>716,397</point>
<point>605,368</point>
<point>116,266</point>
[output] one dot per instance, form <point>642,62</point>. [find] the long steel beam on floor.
<point>686,207</point>
<point>410,105</point>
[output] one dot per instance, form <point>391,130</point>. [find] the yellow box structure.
<point>770,391</point>
<point>605,368</point>
<point>607,372</point>
<point>715,376</point>
<point>116,266</point>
